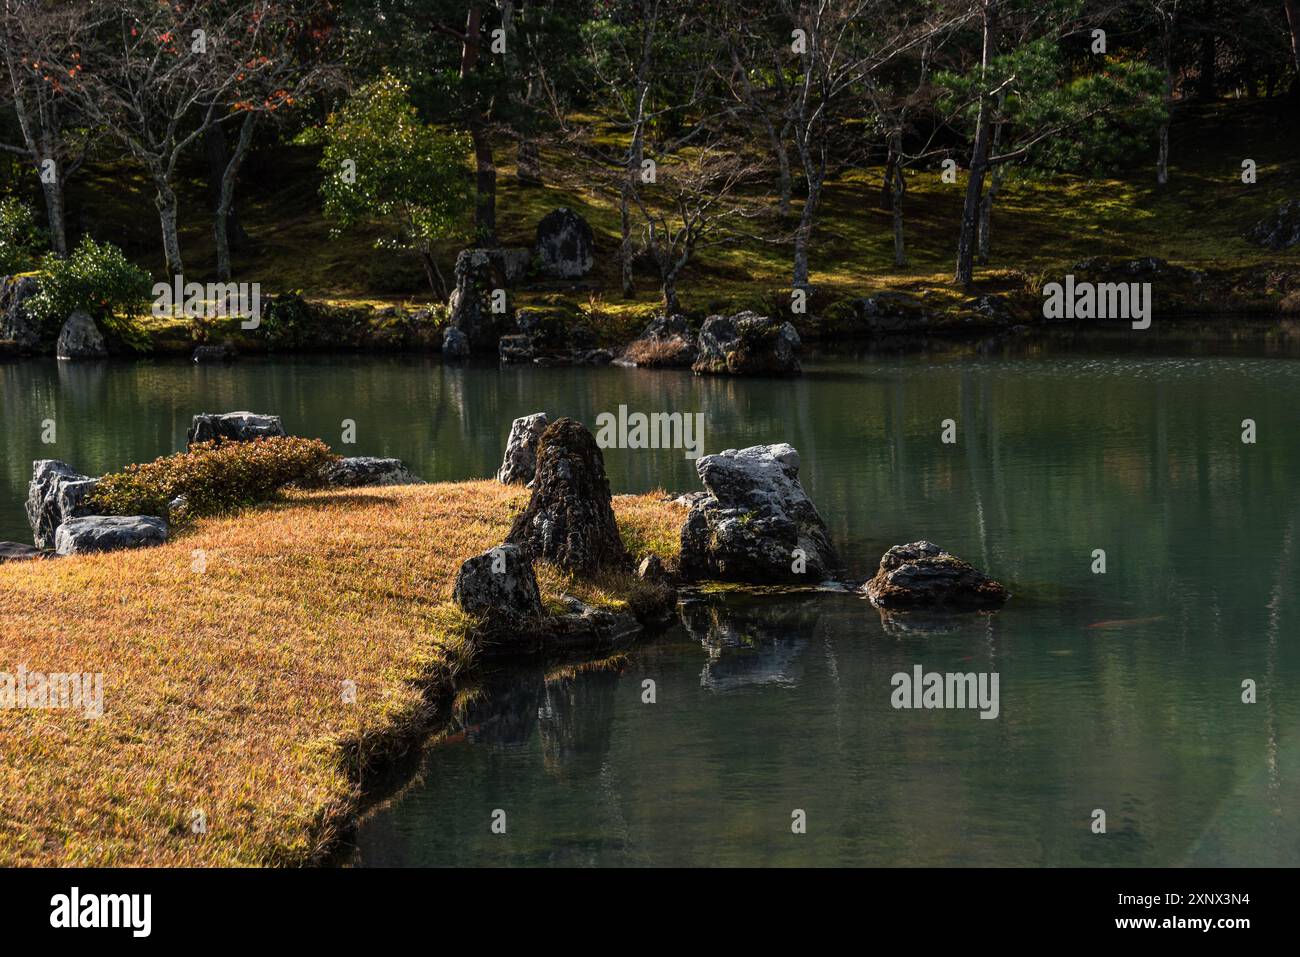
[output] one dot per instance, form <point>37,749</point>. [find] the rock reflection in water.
<point>756,642</point>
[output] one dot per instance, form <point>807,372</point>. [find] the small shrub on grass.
<point>213,476</point>
<point>98,279</point>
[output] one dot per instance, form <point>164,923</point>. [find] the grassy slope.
<point>223,690</point>
<point>1038,226</point>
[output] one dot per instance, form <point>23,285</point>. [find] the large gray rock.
<point>747,344</point>
<point>569,519</point>
<point>520,461</point>
<point>1280,229</point>
<point>108,533</point>
<point>81,339</point>
<point>564,244</point>
<point>667,341</point>
<point>478,273</point>
<point>455,344</point>
<point>364,470</point>
<point>15,322</point>
<point>499,586</point>
<point>757,523</point>
<point>54,495</point>
<point>923,575</point>
<point>232,427</point>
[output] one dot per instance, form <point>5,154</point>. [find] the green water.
<point>1119,691</point>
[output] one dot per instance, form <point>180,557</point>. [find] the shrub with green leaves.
<point>21,237</point>
<point>98,279</point>
<point>213,477</point>
<point>290,322</point>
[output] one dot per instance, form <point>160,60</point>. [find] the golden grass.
<point>224,690</point>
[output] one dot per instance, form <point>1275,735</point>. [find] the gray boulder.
<point>81,339</point>
<point>17,552</point>
<point>108,533</point>
<point>923,575</point>
<point>564,244</point>
<point>1280,229</point>
<point>520,461</point>
<point>54,495</point>
<point>455,344</point>
<point>499,586</point>
<point>364,470</point>
<point>667,341</point>
<point>232,427</point>
<point>478,273</point>
<point>747,344</point>
<point>15,323</point>
<point>757,523</point>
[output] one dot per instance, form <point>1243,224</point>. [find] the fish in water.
<point>1124,622</point>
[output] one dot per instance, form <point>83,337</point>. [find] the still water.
<point>1118,691</point>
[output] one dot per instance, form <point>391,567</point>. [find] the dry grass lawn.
<point>224,691</point>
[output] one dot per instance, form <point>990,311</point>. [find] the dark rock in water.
<point>666,342</point>
<point>15,322</point>
<point>455,345</point>
<point>107,533</point>
<point>1280,229</point>
<point>80,338</point>
<point>54,495</point>
<point>564,244</point>
<point>747,344</point>
<point>232,427</point>
<point>478,273</point>
<point>499,587</point>
<point>515,349</point>
<point>224,352</point>
<point>991,308</point>
<point>569,520</point>
<point>365,470</point>
<point>595,357</point>
<point>520,461</point>
<point>923,575</point>
<point>756,524</point>
<point>16,552</point>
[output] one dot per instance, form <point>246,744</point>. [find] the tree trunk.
<point>224,215</point>
<point>1162,156</point>
<point>1293,22</point>
<point>485,171</point>
<point>437,285</point>
<point>803,235</point>
<point>635,156</point>
<point>168,216</point>
<point>1207,87</point>
<point>896,201</point>
<point>979,159</point>
<point>55,213</point>
<point>671,305</point>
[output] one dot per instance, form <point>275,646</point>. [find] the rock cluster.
<point>757,523</point>
<point>747,344</point>
<point>924,576</point>
<point>1280,229</point>
<point>54,495</point>
<point>666,342</point>
<point>478,273</point>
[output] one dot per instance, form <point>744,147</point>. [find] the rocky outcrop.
<point>222,352</point>
<point>569,519</point>
<point>232,427</point>
<point>455,344</point>
<point>552,337</point>
<point>499,587</point>
<point>1278,230</point>
<point>520,461</point>
<point>747,344</point>
<point>564,245</point>
<point>757,523</point>
<point>364,470</point>
<point>666,342</point>
<point>108,533</point>
<point>922,575</point>
<point>884,314</point>
<point>478,273</point>
<point>17,552</point>
<point>15,322</point>
<point>80,338</point>
<point>54,495</point>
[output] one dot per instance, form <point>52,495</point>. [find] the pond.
<point>1119,691</point>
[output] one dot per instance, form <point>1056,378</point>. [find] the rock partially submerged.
<point>923,575</point>
<point>455,344</point>
<point>757,523</point>
<point>666,342</point>
<point>233,427</point>
<point>54,495</point>
<point>80,338</point>
<point>220,352</point>
<point>520,461</point>
<point>499,586</point>
<point>569,520</point>
<point>365,470</point>
<point>107,533</point>
<point>747,344</point>
<point>1280,229</point>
